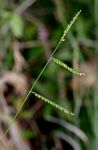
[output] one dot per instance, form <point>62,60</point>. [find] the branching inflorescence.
<point>56,61</point>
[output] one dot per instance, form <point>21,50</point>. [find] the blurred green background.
<point>29,32</point>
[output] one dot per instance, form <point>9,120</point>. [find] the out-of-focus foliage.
<point>29,32</point>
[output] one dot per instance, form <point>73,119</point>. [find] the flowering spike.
<point>52,103</point>
<point>59,62</point>
<point>69,26</point>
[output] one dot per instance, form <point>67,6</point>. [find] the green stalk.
<point>96,83</point>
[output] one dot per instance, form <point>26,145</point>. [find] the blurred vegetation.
<point>29,32</point>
